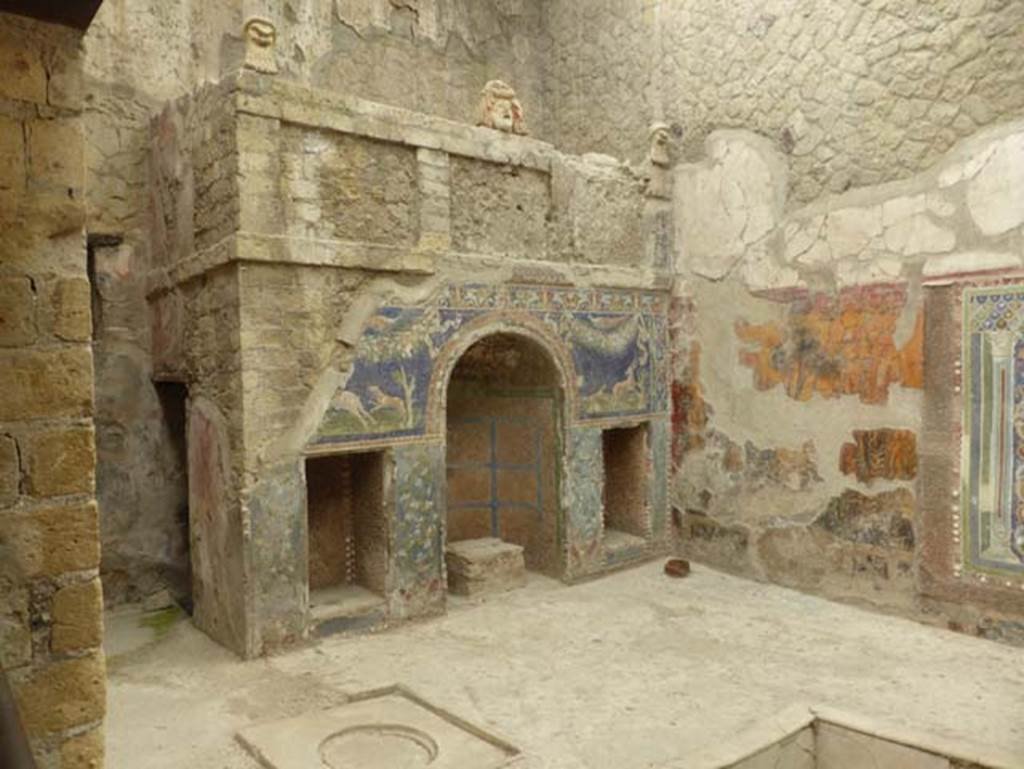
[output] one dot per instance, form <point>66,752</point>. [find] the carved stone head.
<point>501,110</point>
<point>260,37</point>
<point>660,153</point>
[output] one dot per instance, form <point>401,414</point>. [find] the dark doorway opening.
<point>503,431</point>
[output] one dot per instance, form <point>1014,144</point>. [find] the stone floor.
<point>633,670</point>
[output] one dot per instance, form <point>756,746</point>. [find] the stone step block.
<point>481,566</point>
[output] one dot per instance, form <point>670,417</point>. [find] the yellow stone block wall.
<point>50,594</point>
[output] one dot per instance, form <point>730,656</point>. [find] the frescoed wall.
<point>847,378</point>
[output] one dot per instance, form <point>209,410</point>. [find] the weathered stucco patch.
<point>689,410</point>
<point>729,202</point>
<point>745,481</point>
<point>884,520</point>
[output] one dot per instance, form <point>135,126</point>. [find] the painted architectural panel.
<point>616,339</point>
<point>993,431</point>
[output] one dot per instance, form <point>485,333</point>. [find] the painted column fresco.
<point>993,431</point>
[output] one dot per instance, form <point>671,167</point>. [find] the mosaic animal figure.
<point>382,400</point>
<point>627,384</point>
<point>379,324</point>
<point>352,404</point>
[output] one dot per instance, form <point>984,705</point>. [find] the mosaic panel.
<point>660,440</point>
<point>992,518</point>
<point>617,340</point>
<point>583,524</point>
<point>418,584</point>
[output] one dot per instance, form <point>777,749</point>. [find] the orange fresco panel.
<point>836,345</point>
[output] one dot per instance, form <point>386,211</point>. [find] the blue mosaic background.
<point>618,341</point>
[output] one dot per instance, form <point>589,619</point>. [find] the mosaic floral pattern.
<point>993,461</point>
<point>617,339</point>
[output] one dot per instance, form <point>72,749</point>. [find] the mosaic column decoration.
<point>991,525</point>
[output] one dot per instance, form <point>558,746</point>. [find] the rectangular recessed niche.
<point>173,398</point>
<point>625,481</point>
<point>348,539</point>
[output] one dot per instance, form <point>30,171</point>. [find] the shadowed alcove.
<point>503,428</point>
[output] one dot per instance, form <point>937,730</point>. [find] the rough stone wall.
<point>142,474</point>
<point>348,224</point>
<point>289,321</point>
<point>289,355</point>
<point>499,208</point>
<point>50,594</point>
<point>196,340</point>
<point>137,56</point>
<point>338,186</point>
<point>801,368</point>
<point>856,92</point>
<point>431,55</point>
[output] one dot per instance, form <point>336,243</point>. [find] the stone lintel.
<point>375,257</point>
<point>247,247</point>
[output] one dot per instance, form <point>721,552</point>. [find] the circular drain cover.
<point>378,746</point>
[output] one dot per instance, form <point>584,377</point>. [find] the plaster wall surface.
<point>804,370</point>
<point>857,92</point>
<point>51,623</point>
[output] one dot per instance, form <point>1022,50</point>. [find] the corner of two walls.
<point>137,56</point>
<point>799,373</point>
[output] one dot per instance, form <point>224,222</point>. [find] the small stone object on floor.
<point>677,567</point>
<point>159,600</point>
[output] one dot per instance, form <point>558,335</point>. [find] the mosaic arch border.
<point>611,344</point>
<point>989,380</point>
<point>500,322</point>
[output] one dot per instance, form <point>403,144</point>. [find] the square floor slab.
<point>386,729</point>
